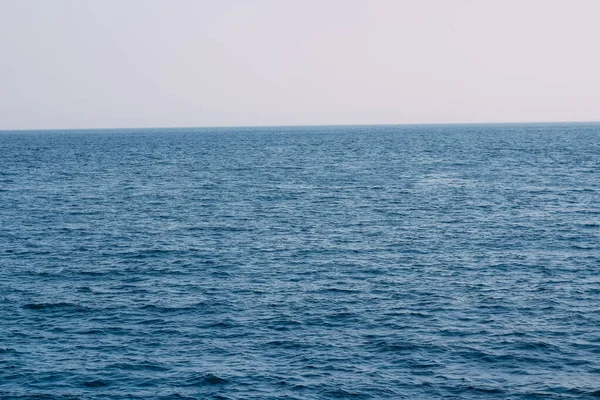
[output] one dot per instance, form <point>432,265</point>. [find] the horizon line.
<point>302,126</point>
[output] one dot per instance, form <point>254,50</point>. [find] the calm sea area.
<point>362,262</point>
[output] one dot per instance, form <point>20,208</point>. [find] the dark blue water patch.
<point>50,307</point>
<point>95,383</point>
<point>399,262</point>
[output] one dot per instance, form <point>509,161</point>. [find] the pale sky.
<point>159,63</point>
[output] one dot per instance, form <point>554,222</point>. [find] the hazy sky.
<point>141,63</point>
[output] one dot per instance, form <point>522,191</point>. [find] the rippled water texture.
<point>424,262</point>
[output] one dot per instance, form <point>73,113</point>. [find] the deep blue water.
<point>373,262</point>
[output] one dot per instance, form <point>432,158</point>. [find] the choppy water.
<point>423,262</point>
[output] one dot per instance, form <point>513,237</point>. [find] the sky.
<point>190,63</point>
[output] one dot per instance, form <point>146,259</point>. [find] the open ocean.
<point>351,262</point>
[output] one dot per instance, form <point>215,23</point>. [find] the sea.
<point>322,262</point>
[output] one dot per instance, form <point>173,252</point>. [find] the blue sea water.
<point>366,262</point>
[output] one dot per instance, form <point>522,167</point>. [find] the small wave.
<point>205,379</point>
<point>153,321</point>
<point>114,330</point>
<point>285,344</point>
<point>138,366</point>
<point>542,346</point>
<point>95,383</point>
<point>343,393</point>
<point>40,396</point>
<point>484,390</point>
<point>177,396</point>
<point>384,346</point>
<point>591,225</point>
<point>339,290</point>
<point>8,350</point>
<point>166,309</point>
<point>54,306</point>
<point>222,324</point>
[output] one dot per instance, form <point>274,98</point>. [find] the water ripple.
<point>455,262</point>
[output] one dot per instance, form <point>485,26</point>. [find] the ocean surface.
<point>365,262</point>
